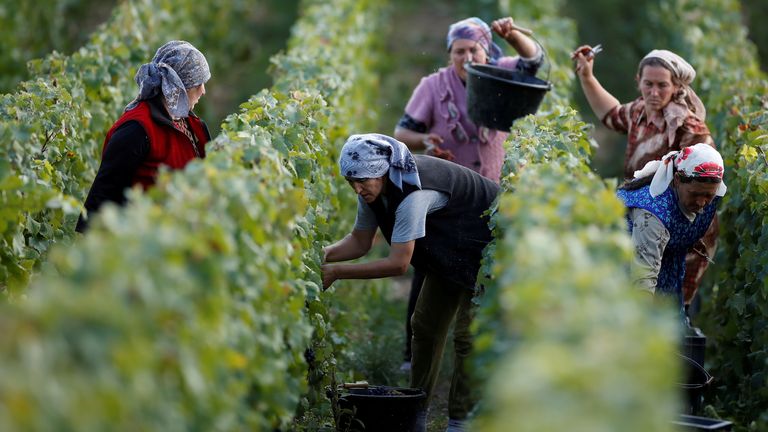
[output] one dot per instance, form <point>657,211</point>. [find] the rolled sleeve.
<point>408,122</point>
<point>694,131</point>
<point>531,65</point>
<point>619,118</point>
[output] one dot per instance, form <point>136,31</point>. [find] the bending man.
<point>431,211</point>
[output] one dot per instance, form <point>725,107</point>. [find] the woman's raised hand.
<point>583,60</point>
<point>504,27</point>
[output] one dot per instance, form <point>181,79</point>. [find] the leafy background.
<point>167,316</point>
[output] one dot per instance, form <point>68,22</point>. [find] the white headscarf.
<point>681,69</point>
<point>373,155</point>
<point>700,160</point>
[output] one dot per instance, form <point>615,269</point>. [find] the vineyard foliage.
<point>170,315</point>
<point>34,29</point>
<point>734,90</point>
<point>567,340</point>
<point>198,306</point>
<point>239,40</point>
<point>53,126</point>
<point>51,130</point>
<point>192,308</point>
<point>563,342</point>
<point>341,67</point>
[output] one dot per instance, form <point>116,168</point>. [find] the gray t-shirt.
<point>410,216</point>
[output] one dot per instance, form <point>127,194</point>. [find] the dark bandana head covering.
<point>476,30</point>
<point>176,67</point>
<point>373,155</point>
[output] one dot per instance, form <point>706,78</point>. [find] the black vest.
<point>457,233</point>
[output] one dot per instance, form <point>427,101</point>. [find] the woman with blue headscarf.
<point>432,212</point>
<point>158,128</point>
<point>436,116</point>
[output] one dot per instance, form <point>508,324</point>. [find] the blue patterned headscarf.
<point>373,155</point>
<point>176,67</point>
<point>476,30</point>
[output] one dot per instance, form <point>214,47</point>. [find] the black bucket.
<point>696,381</point>
<point>496,96</point>
<point>695,344</point>
<point>381,409</point>
<point>694,423</point>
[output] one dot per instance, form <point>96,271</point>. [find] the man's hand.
<point>329,275</point>
<point>395,264</point>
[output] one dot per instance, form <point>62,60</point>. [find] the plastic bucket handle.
<point>478,72</point>
<point>708,378</point>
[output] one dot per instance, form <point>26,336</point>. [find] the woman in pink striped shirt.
<point>436,117</point>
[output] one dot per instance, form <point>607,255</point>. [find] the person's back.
<point>443,232</point>
<point>671,212</point>
<point>681,232</point>
<point>458,232</point>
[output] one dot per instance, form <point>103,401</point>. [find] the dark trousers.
<point>440,302</point>
<point>416,282</point>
